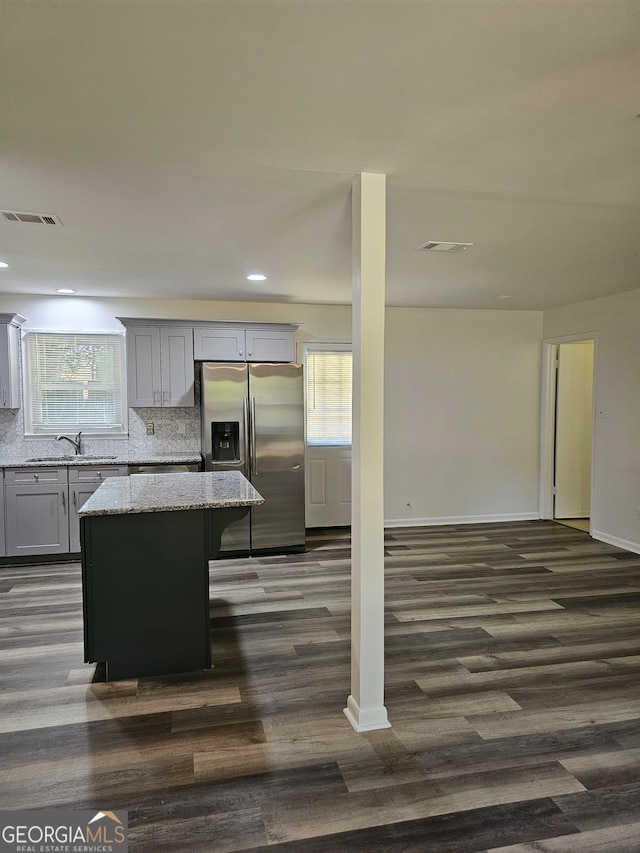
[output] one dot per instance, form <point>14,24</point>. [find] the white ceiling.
<point>186,143</point>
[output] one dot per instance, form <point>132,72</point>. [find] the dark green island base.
<point>146,589</point>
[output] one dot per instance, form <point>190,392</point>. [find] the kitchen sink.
<point>77,458</point>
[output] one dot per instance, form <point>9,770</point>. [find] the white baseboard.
<point>461,519</point>
<point>625,544</point>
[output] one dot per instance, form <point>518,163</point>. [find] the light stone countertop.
<point>83,460</point>
<point>170,492</point>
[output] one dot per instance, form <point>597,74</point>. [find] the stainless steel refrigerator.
<point>253,422</point>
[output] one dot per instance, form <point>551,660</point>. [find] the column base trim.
<point>366,720</point>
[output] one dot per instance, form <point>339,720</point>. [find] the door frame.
<point>302,350</point>
<point>548,419</point>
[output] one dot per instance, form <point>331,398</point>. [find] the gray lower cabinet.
<point>36,511</point>
<point>82,484</point>
<point>41,507</point>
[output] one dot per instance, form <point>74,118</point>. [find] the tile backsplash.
<point>167,437</point>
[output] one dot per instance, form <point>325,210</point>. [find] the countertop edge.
<point>222,504</point>
<point>104,461</point>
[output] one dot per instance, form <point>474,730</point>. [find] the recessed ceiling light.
<point>64,290</point>
<point>502,296</point>
<point>3,264</point>
<point>256,276</point>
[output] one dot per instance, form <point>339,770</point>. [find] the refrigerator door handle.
<point>246,440</point>
<point>254,456</point>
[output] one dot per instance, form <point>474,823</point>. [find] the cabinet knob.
<point>240,352</point>
<point>249,353</point>
<point>35,477</point>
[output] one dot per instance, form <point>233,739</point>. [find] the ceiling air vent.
<point>31,218</point>
<point>440,246</point>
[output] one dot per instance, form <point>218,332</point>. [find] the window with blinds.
<point>74,382</point>
<point>329,379</point>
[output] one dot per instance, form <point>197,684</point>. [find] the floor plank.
<point>512,664</point>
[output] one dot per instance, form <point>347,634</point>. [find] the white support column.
<point>365,706</point>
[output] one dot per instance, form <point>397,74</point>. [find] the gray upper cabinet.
<point>10,360</point>
<point>244,343</point>
<point>160,368</point>
<point>176,366</point>
<point>270,345</point>
<point>219,344</point>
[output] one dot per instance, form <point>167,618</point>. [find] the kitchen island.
<point>146,545</point>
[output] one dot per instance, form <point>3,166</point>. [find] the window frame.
<point>305,350</point>
<point>31,390</point>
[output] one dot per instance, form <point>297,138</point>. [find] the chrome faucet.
<point>75,442</point>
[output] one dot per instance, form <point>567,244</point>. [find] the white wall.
<point>98,314</point>
<point>462,395</point>
<point>616,470</point>
<point>462,415</point>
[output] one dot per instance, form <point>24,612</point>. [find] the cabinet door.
<point>82,484</point>
<point>9,368</point>
<point>265,345</point>
<point>176,365</point>
<point>219,344</point>
<point>143,366</point>
<point>78,494</point>
<point>37,519</point>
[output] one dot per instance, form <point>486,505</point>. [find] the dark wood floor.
<point>513,654</point>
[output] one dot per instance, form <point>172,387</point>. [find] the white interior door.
<point>328,379</point>
<point>328,486</point>
<point>574,430</point>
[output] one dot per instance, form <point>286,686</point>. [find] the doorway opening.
<point>568,417</point>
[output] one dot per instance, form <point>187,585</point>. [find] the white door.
<point>328,486</point>
<point>328,381</point>
<point>574,427</point>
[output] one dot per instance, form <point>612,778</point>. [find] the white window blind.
<point>329,382</point>
<point>74,382</point>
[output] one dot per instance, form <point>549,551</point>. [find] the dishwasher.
<point>159,468</point>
